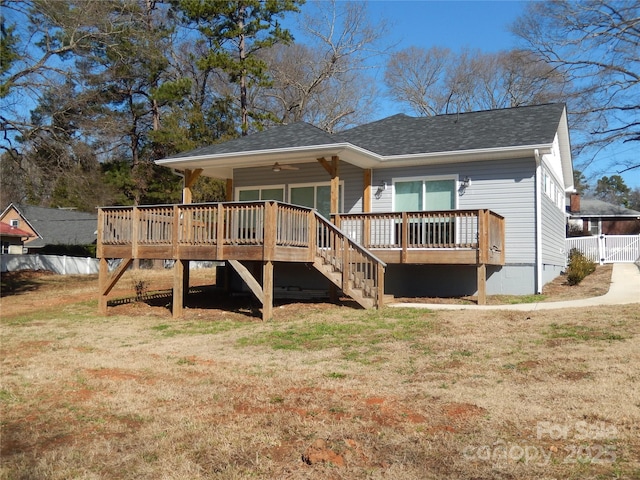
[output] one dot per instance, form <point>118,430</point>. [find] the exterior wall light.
<point>464,184</point>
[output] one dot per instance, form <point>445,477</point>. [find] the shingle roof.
<point>591,207</point>
<point>298,134</point>
<point>58,226</point>
<point>511,127</point>
<point>404,135</point>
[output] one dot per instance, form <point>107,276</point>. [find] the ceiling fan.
<point>277,167</point>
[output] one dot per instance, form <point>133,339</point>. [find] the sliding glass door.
<point>420,195</point>
<point>316,196</point>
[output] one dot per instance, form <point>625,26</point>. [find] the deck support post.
<point>482,284</point>
<point>102,280</point>
<point>380,286</point>
<point>267,290</point>
<point>483,255</point>
<point>178,288</point>
<point>404,236</point>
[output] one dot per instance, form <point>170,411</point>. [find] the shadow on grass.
<point>24,281</point>
<point>215,298</point>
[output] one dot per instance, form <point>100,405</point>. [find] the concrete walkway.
<point>624,289</point>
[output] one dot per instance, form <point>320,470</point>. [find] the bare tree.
<point>323,78</point>
<point>596,44</point>
<point>417,77</point>
<point>436,81</point>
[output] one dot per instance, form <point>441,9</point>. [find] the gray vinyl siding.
<point>553,233</point>
<point>351,176</point>
<point>506,187</point>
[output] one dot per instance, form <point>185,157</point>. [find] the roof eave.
<point>223,164</point>
<point>455,156</point>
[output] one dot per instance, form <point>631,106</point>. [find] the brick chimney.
<point>574,205</point>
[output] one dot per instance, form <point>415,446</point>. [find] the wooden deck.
<point>451,237</point>
<point>352,252</point>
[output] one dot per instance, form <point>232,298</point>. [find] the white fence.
<point>607,248</point>
<point>60,264</point>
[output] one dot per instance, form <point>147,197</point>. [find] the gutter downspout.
<point>538,187</point>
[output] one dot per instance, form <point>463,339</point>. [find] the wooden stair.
<point>348,265</point>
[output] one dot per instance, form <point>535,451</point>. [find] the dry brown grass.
<point>323,391</point>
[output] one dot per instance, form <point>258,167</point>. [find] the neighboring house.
<point>51,227</point>
<point>590,216</point>
<point>459,204</point>
<point>12,239</point>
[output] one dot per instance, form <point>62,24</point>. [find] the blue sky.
<point>479,24</point>
<point>453,24</point>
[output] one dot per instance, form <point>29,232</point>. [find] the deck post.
<point>482,284</point>
<point>366,191</point>
<point>365,238</point>
<point>190,177</point>
<point>228,191</point>
<point>270,227</point>
<point>178,288</point>
<point>332,169</point>
<point>220,225</point>
<point>380,286</point>
<point>313,229</point>
<point>404,237</point>
<point>267,290</point>
<point>483,255</point>
<point>102,282</point>
<point>135,233</point>
<point>335,185</point>
<point>345,265</point>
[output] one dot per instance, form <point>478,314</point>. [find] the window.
<point>249,194</point>
<point>5,247</point>
<point>317,195</point>
<point>424,194</point>
<point>15,223</point>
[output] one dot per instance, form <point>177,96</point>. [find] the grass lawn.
<point>321,392</point>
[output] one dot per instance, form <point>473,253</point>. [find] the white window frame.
<point>283,187</point>
<point>424,179</point>
<point>15,222</point>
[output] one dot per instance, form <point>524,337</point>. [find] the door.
<point>418,195</point>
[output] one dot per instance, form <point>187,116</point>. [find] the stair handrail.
<point>350,240</point>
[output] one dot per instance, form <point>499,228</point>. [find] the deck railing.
<point>481,230</point>
<point>239,223</point>
<point>360,268</point>
<point>248,223</point>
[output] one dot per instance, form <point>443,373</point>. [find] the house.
<point>591,216</point>
<point>12,239</point>
<point>459,204</point>
<point>51,228</point>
